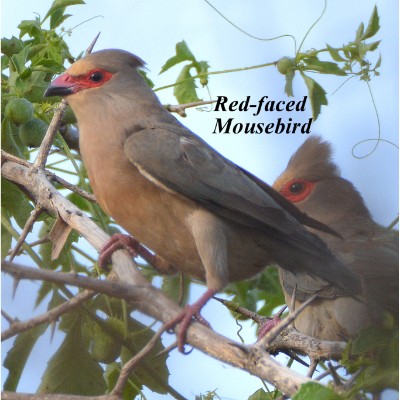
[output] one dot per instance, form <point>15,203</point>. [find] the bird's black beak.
<point>61,86</point>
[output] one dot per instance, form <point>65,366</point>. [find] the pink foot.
<point>267,326</point>
<point>187,315</point>
<point>116,242</point>
<point>270,322</point>
<point>120,241</point>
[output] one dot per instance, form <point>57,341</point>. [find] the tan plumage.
<point>174,193</point>
<point>367,248</point>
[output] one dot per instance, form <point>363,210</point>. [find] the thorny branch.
<point>52,315</point>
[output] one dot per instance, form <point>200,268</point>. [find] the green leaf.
<point>289,83</point>
<point>15,202</point>
<point>359,33</point>
<point>315,391</point>
<point>9,139</point>
<point>183,53</point>
<point>72,370</point>
<point>19,60</point>
<point>33,89</point>
<point>57,4</point>
<point>373,25</point>
<point>378,63</point>
<point>173,286</point>
<point>111,375</point>
<point>185,92</point>
<point>11,46</point>
<point>316,95</point>
<point>58,17</point>
<point>153,370</point>
<point>368,339</point>
<point>44,290</point>
<point>30,27</point>
<point>202,69</point>
<point>6,238</point>
<point>18,355</point>
<point>146,78</point>
<point>323,67</point>
<point>260,394</point>
<point>335,53</point>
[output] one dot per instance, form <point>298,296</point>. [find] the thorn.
<point>167,349</point>
<point>240,346</point>
<point>295,357</point>
<point>334,374</point>
<point>53,330</point>
<point>15,287</point>
<point>313,366</point>
<point>293,300</point>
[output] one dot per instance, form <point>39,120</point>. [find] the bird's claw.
<point>267,325</point>
<point>184,318</point>
<point>116,242</point>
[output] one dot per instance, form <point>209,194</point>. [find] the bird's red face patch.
<point>297,189</point>
<point>75,83</point>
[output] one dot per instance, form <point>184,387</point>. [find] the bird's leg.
<point>185,317</point>
<point>120,241</point>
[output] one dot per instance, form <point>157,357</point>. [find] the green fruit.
<point>106,348</point>
<point>69,116</point>
<point>285,64</point>
<point>19,111</point>
<point>32,132</point>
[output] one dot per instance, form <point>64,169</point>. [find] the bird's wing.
<point>179,161</point>
<point>187,165</point>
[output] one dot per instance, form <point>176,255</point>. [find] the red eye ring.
<point>96,77</point>
<point>297,189</point>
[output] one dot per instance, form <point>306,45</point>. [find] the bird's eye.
<point>296,187</point>
<point>96,77</point>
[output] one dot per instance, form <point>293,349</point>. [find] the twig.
<point>313,366</point>
<point>27,228</point>
<point>8,317</point>
<point>47,142</point>
<point>180,108</point>
<point>241,310</point>
<point>128,368</point>
<point>49,396</point>
<point>47,317</point>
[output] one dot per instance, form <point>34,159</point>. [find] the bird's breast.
<point>155,217</point>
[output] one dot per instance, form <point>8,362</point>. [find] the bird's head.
<point>94,71</point>
<point>312,181</point>
<point>309,165</point>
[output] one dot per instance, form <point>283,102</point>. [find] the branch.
<point>27,228</point>
<point>290,339</point>
<point>129,367</point>
<point>152,302</point>
<point>48,396</point>
<point>49,316</point>
<point>51,176</point>
<point>181,108</point>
